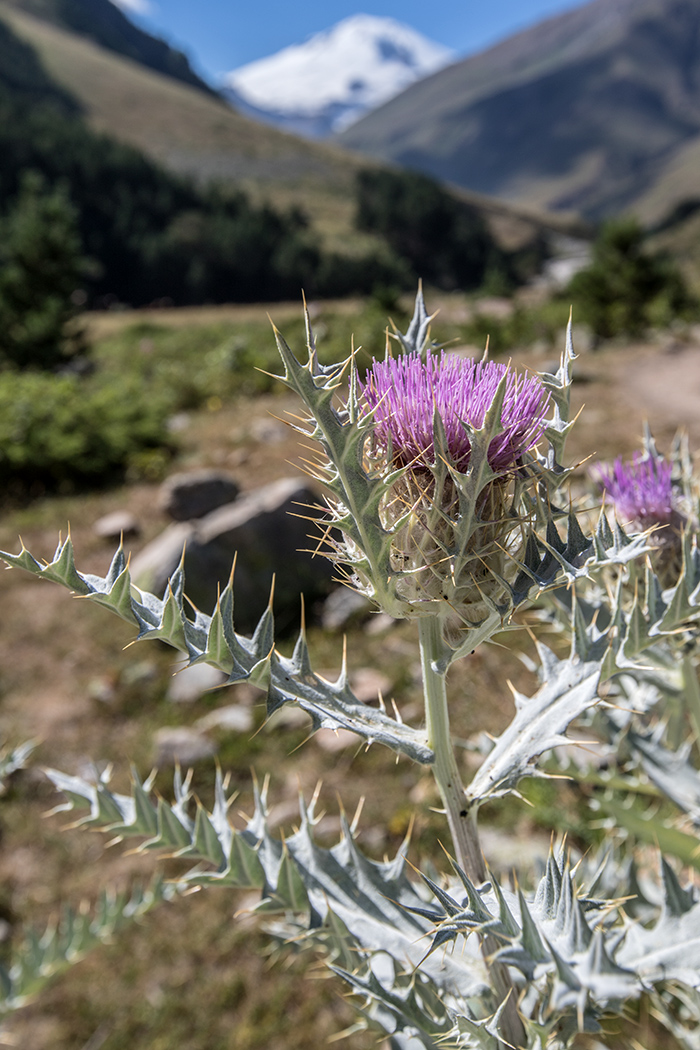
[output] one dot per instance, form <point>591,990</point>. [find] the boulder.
<point>233,717</point>
<point>181,746</point>
<point>117,523</point>
<point>155,563</point>
<point>261,527</point>
<point>344,606</point>
<point>197,493</point>
<point>380,623</point>
<point>188,684</point>
<point>334,740</point>
<point>367,684</point>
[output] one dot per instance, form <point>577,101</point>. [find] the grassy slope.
<point>106,24</point>
<point>683,243</point>
<point>679,180</point>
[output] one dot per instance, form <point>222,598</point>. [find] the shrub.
<point>627,288</point>
<point>64,432</point>
<point>523,327</point>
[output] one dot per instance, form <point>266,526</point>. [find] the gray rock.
<point>180,745</point>
<point>379,624</point>
<point>268,431</point>
<point>288,717</point>
<point>336,739</point>
<point>179,422</point>
<point>522,852</point>
<point>139,674</point>
<point>155,563</point>
<point>367,684</point>
<point>270,540</point>
<point>344,606</point>
<point>233,717</point>
<point>196,493</point>
<point>189,683</point>
<point>119,522</point>
<point>103,689</point>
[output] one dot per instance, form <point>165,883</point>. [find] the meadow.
<point>199,972</point>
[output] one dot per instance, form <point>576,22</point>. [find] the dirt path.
<point>618,389</point>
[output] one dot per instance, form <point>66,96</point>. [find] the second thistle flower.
<point>642,493</point>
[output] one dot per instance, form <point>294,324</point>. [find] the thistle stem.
<point>461,818</point>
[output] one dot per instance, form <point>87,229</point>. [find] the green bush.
<point>627,289</point>
<point>65,432</point>
<point>187,365</point>
<point>521,328</point>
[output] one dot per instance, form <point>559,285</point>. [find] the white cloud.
<point>139,7</point>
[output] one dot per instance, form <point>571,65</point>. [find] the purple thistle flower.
<point>404,394</point>
<point>640,491</point>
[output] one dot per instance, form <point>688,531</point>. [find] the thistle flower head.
<point>641,490</point>
<point>433,485</point>
<point>405,393</point>
<point>454,512</point>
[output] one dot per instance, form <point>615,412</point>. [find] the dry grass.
<point>102,324</point>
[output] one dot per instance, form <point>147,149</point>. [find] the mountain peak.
<point>336,76</point>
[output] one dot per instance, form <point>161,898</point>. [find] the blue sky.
<point>220,35</point>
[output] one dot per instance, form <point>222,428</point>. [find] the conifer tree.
<point>628,288</point>
<point>41,270</point>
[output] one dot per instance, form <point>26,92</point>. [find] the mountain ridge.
<point>583,112</point>
<point>198,135</point>
<point>106,24</point>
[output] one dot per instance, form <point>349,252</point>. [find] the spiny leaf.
<point>214,640</point>
<point>37,959</point>
<point>539,724</point>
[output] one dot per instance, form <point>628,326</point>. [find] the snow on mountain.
<point>335,77</point>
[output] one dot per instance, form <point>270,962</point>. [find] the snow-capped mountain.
<point>335,77</point>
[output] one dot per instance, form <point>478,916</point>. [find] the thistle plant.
<point>446,504</point>
<point>642,492</point>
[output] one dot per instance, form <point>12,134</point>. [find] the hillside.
<point>592,111</point>
<point>103,23</point>
<point>194,134</point>
<point>188,131</point>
